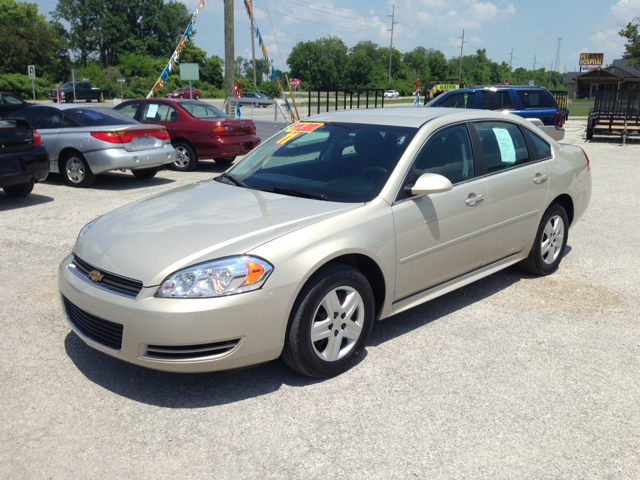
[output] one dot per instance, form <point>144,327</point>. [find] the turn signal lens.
<point>37,139</point>
<point>254,273</point>
<point>222,131</point>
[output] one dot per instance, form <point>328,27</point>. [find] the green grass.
<point>581,100</point>
<point>578,111</point>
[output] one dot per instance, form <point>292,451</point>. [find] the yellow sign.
<point>297,129</point>
<point>437,88</point>
<point>591,59</point>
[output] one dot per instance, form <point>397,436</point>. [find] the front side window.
<point>447,153</point>
<point>128,109</point>
<point>503,145</point>
<point>339,162</point>
<point>12,100</point>
<point>499,100</point>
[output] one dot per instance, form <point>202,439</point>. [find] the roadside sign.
<point>189,71</point>
<point>531,83</point>
<point>31,70</point>
<point>295,83</point>
<point>121,81</point>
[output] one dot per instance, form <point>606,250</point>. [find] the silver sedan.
<point>84,141</point>
<point>338,221</point>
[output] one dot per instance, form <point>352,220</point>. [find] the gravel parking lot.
<point>513,376</point>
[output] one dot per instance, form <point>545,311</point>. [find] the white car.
<point>391,94</point>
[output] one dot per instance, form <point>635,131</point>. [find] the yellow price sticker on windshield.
<point>297,129</point>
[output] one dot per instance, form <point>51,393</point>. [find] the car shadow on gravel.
<point>11,203</point>
<point>115,181</point>
<point>200,390</point>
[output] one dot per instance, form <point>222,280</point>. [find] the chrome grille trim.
<point>190,352</point>
<point>127,287</point>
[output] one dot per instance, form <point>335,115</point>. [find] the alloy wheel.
<point>337,323</point>
<point>552,239</point>
<point>182,157</point>
<point>75,170</point>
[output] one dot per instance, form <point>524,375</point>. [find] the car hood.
<point>151,238</point>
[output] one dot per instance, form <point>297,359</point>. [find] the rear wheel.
<point>224,161</point>
<point>181,96</point>
<point>145,174</point>
<point>76,171</point>
<point>550,243</point>
<point>19,190</point>
<point>186,159</point>
<point>330,323</point>
<point>197,97</point>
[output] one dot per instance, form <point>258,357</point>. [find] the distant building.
<point>617,76</point>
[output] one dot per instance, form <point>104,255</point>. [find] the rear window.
<point>202,110</point>
<point>97,117</point>
<point>536,99</point>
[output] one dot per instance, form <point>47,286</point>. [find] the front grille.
<point>95,328</point>
<point>189,352</point>
<point>109,281</point>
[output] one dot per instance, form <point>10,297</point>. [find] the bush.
<point>270,89</point>
<point>20,85</point>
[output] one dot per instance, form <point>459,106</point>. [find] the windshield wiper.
<point>294,192</point>
<point>233,180</point>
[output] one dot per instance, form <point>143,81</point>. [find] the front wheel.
<point>197,97</point>
<point>330,323</point>
<point>19,190</point>
<point>146,173</point>
<point>76,171</point>
<point>186,159</point>
<point>550,242</point>
<point>224,161</point>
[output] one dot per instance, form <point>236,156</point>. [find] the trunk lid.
<point>15,136</point>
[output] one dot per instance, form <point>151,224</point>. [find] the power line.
<point>328,10</point>
<point>325,24</point>
<point>284,65</point>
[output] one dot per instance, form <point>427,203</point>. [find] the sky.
<point>530,27</point>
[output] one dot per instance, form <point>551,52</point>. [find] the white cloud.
<point>469,15</point>
<point>626,10</point>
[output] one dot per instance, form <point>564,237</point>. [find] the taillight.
<point>588,162</point>
<point>125,136</point>
<point>37,139</point>
<point>222,131</point>
<point>558,120</point>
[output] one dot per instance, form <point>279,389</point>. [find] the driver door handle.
<point>471,201</point>
<point>540,178</point>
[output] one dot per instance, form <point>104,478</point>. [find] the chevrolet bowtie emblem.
<point>95,275</point>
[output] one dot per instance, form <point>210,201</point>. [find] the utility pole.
<point>461,51</point>
<point>393,13</point>
<point>510,60</point>
<point>229,60</point>
<point>534,69</point>
<point>550,73</point>
<point>558,56</point>
<point>253,48</point>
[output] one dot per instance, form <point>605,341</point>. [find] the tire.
<point>342,344</point>
<point>75,171</point>
<point>88,100</point>
<point>550,242</point>
<point>224,161</point>
<point>181,96</point>
<point>589,133</point>
<point>197,97</point>
<point>21,190</point>
<point>145,174</point>
<point>186,159</point>
<point>68,99</point>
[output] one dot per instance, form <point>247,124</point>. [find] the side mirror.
<point>429,183</point>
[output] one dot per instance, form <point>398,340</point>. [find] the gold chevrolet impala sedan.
<point>334,223</point>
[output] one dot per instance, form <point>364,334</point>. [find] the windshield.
<point>95,117</point>
<point>338,162</point>
<point>202,110</point>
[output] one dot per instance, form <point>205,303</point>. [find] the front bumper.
<point>256,319</point>
<point>118,158</point>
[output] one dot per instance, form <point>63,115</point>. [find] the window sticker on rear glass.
<point>91,115</point>
<point>297,129</point>
<point>507,150</point>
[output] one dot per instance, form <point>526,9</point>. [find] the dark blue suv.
<point>534,103</point>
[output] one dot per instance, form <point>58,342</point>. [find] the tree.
<point>438,66</point>
<point>632,48</point>
<point>321,63</point>
<point>26,38</point>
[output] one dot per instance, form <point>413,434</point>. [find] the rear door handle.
<point>471,201</point>
<point>540,178</point>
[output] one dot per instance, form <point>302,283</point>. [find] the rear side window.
<point>52,118</point>
<point>503,145</point>
<point>202,110</point>
<point>541,149</point>
<point>536,99</point>
<point>500,100</point>
<point>97,117</point>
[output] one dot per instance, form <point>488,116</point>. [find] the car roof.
<point>67,106</point>
<point>406,117</point>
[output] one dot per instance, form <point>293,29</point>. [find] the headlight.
<point>86,228</point>
<point>217,279</point>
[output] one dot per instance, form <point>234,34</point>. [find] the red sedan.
<point>184,93</point>
<point>197,130</point>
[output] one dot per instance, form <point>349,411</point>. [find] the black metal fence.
<point>618,103</point>
<point>331,100</point>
